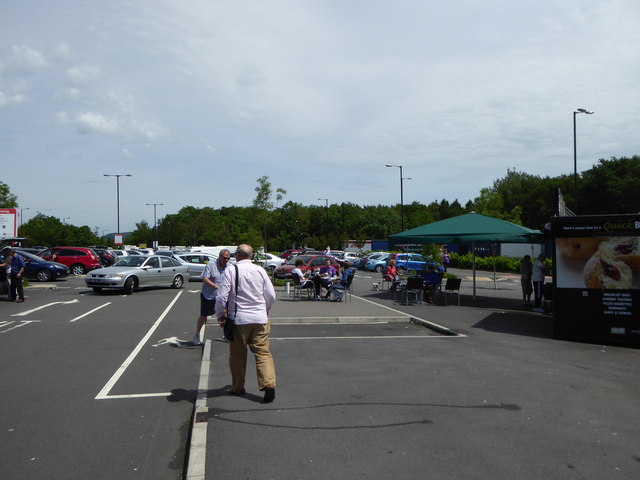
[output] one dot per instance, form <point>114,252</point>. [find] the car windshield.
<point>31,257</point>
<point>133,261</point>
<point>305,259</point>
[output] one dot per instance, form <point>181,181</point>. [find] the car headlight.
<point>114,275</point>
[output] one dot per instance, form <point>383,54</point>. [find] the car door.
<point>152,274</point>
<point>416,262</point>
<point>402,261</point>
<point>316,263</point>
<point>169,269</point>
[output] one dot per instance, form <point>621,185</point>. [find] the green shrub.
<point>502,264</point>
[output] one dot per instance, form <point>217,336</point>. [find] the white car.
<point>267,261</point>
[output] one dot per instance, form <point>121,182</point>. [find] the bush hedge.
<point>502,264</point>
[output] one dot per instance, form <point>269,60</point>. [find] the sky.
<point>197,99</point>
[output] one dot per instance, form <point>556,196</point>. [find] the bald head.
<point>244,251</point>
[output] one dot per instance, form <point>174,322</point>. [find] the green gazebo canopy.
<point>468,228</point>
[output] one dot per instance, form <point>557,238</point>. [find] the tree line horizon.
<point>609,187</point>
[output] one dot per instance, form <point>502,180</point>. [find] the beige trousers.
<point>256,337</point>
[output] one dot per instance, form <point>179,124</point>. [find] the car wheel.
<point>97,289</point>
<point>401,270</point>
<point>44,275</point>
<point>129,285</point>
<point>379,268</point>
<point>78,269</point>
<point>271,268</point>
<point>178,281</point>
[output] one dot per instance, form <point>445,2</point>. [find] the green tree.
<point>143,234</point>
<point>611,186</point>
<point>46,230</point>
<point>7,199</point>
<point>491,204</point>
<point>263,205</point>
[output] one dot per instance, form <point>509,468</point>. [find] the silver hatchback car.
<point>132,272</point>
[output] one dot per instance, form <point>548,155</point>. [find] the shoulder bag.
<point>229,324</point>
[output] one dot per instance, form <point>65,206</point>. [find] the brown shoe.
<point>20,300</point>
<point>237,392</point>
<point>269,395</point>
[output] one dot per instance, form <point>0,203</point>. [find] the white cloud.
<point>83,74</point>
<point>89,122</point>
<point>6,100</point>
<point>25,60</point>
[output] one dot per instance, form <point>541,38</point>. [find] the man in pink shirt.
<point>249,309</point>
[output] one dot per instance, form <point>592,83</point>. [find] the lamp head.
<point>584,110</point>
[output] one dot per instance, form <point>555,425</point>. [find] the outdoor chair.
<point>452,286</point>
<point>412,287</point>
<point>384,281</point>
<point>307,285</point>
<point>346,286</point>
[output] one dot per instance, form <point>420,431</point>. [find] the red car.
<point>287,254</point>
<point>310,262</point>
<point>79,259</point>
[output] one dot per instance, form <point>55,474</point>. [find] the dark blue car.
<point>36,268</point>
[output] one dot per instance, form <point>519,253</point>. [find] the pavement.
<point>369,388</point>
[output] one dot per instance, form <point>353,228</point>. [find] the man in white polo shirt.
<point>249,309</point>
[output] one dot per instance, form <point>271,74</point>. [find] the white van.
<point>214,250</point>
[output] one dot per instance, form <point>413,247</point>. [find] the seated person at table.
<point>431,280</point>
<point>304,281</point>
<point>391,275</point>
<point>328,275</point>
<point>341,284</point>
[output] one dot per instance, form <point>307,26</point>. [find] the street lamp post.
<point>21,221</point>
<point>155,223</point>
<point>575,155</point>
<point>401,195</point>
<point>326,219</point>
<point>118,192</point>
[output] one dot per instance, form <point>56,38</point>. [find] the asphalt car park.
<point>101,387</point>
<point>104,387</point>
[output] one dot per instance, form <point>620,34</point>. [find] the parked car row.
<point>378,262</point>
<point>56,262</point>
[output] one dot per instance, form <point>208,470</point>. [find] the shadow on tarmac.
<point>525,324</point>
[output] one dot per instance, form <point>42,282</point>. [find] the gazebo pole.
<point>473,263</point>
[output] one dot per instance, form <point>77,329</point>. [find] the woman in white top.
<point>537,276</point>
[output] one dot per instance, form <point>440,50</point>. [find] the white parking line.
<point>27,312</point>
<point>89,312</point>
<point>21,324</point>
<point>368,337</point>
<point>104,393</point>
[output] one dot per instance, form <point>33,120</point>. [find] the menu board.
<point>7,222</point>
<point>597,278</point>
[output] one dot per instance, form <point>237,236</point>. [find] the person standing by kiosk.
<point>537,276</point>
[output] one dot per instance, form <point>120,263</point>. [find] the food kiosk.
<point>596,272</point>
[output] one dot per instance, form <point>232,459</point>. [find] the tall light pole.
<point>155,223</point>
<point>401,195</point>
<point>21,222</point>
<point>326,219</point>
<point>118,192</point>
<point>575,155</point>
